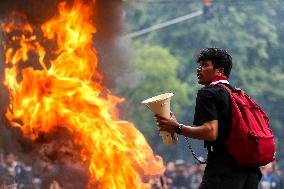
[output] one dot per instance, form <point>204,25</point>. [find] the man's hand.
<point>170,125</point>
<point>206,131</point>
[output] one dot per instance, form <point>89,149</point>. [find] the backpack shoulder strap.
<point>231,90</point>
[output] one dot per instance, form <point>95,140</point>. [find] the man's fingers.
<point>161,119</point>
<point>161,122</point>
<point>158,116</point>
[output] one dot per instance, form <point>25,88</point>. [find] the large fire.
<point>67,92</point>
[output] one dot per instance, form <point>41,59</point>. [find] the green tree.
<point>254,38</point>
<point>155,72</point>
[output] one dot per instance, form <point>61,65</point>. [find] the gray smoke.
<point>36,11</point>
<point>113,54</point>
<point>112,50</point>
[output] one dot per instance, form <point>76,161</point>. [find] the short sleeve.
<point>205,108</point>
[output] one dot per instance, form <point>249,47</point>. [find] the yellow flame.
<point>69,93</point>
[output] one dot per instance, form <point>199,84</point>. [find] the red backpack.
<point>251,141</point>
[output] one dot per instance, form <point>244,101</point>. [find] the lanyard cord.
<point>193,153</point>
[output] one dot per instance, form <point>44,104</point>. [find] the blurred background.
<point>165,35</point>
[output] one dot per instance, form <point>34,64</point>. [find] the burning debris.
<point>68,119</point>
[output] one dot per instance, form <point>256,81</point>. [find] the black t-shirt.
<point>213,103</point>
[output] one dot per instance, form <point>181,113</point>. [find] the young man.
<point>212,123</point>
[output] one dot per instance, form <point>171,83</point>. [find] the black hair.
<point>219,57</point>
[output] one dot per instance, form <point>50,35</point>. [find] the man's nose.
<point>198,69</point>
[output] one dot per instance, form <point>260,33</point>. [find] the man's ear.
<point>220,71</point>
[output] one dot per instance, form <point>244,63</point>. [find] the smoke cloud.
<point>113,52</point>
<point>108,18</point>
<point>36,11</point>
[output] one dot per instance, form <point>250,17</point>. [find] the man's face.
<point>206,72</point>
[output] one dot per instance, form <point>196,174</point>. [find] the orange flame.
<point>68,93</point>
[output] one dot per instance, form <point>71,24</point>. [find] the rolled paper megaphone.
<point>160,105</point>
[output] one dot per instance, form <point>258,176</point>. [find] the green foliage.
<point>156,73</point>
<point>252,31</point>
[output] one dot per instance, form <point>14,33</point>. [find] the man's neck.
<point>219,79</point>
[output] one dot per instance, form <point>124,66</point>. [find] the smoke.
<point>112,50</point>
<point>50,150</point>
<point>108,18</point>
<point>36,11</point>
